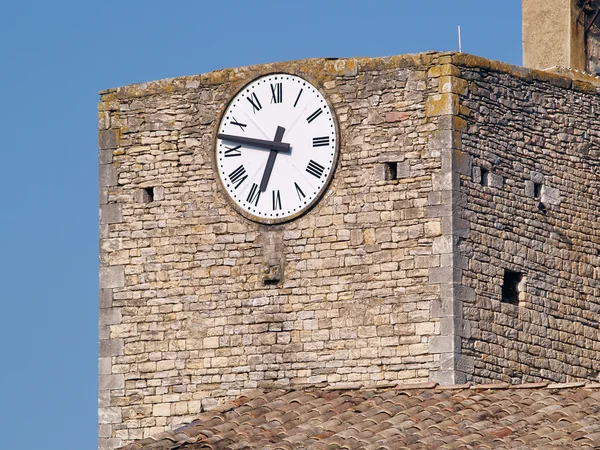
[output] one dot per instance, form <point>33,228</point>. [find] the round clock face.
<point>276,148</point>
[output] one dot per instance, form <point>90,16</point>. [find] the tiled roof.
<point>424,416</point>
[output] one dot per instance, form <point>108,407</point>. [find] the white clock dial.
<point>276,147</point>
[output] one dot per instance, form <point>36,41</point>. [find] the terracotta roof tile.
<point>416,417</point>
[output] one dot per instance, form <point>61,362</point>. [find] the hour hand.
<point>269,145</point>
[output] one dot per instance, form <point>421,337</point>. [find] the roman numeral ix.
<point>254,194</point>
<point>314,115</point>
<point>233,151</point>
<point>315,169</point>
<point>276,93</point>
<point>321,141</point>
<point>253,99</point>
<point>238,176</point>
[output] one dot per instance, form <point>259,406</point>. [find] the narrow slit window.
<point>148,195</point>
<point>485,177</point>
<point>511,287</point>
<point>537,190</point>
<point>391,171</point>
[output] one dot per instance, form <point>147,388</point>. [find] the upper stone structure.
<point>561,33</point>
<point>458,240</point>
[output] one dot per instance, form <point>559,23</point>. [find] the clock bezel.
<point>326,184</point>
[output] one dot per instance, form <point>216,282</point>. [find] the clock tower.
<point>343,223</point>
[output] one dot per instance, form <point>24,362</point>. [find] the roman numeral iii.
<point>238,176</point>
<point>254,194</point>
<point>315,169</point>
<point>253,99</point>
<point>276,93</point>
<point>321,141</point>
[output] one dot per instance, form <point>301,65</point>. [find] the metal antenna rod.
<point>459,41</point>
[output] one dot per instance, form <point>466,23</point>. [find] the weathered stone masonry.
<point>186,315</point>
<point>453,169</point>
<point>532,131</point>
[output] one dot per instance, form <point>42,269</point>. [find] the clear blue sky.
<point>55,57</point>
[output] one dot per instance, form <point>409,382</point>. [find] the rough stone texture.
<point>526,132</point>
<point>453,169</point>
<point>212,304</point>
<point>553,35</point>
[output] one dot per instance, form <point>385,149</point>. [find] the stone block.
<point>109,444</point>
<point>109,415</point>
<point>496,181</point>
<point>110,382</point>
<point>441,105</point>
<point>105,157</point>
<point>111,213</point>
<point>443,140</point>
<point>102,195</point>
<point>106,298</point>
<point>455,326</point>
<point>109,316</point>
<point>439,275</point>
<point>455,85</point>
<point>462,162</point>
<point>161,410</point>
<point>550,196</point>
<point>476,174</point>
<point>105,366</point>
<point>112,277</point>
<point>343,67</point>
<point>443,244</point>
<point>107,175</point>
<point>396,116</point>
<point>110,347</point>
<point>443,70</point>
<point>445,344</point>
<point>453,123</point>
<point>108,139</point>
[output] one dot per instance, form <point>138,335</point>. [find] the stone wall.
<point>186,317</point>
<point>457,176</point>
<point>532,201</point>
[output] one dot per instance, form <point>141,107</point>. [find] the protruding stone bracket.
<point>273,255</point>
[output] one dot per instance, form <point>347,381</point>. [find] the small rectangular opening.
<point>148,195</point>
<point>510,287</point>
<point>537,190</point>
<point>391,171</point>
<point>485,177</point>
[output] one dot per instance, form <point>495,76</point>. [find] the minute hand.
<point>271,145</point>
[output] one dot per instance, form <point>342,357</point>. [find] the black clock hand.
<point>270,145</point>
<point>271,160</point>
